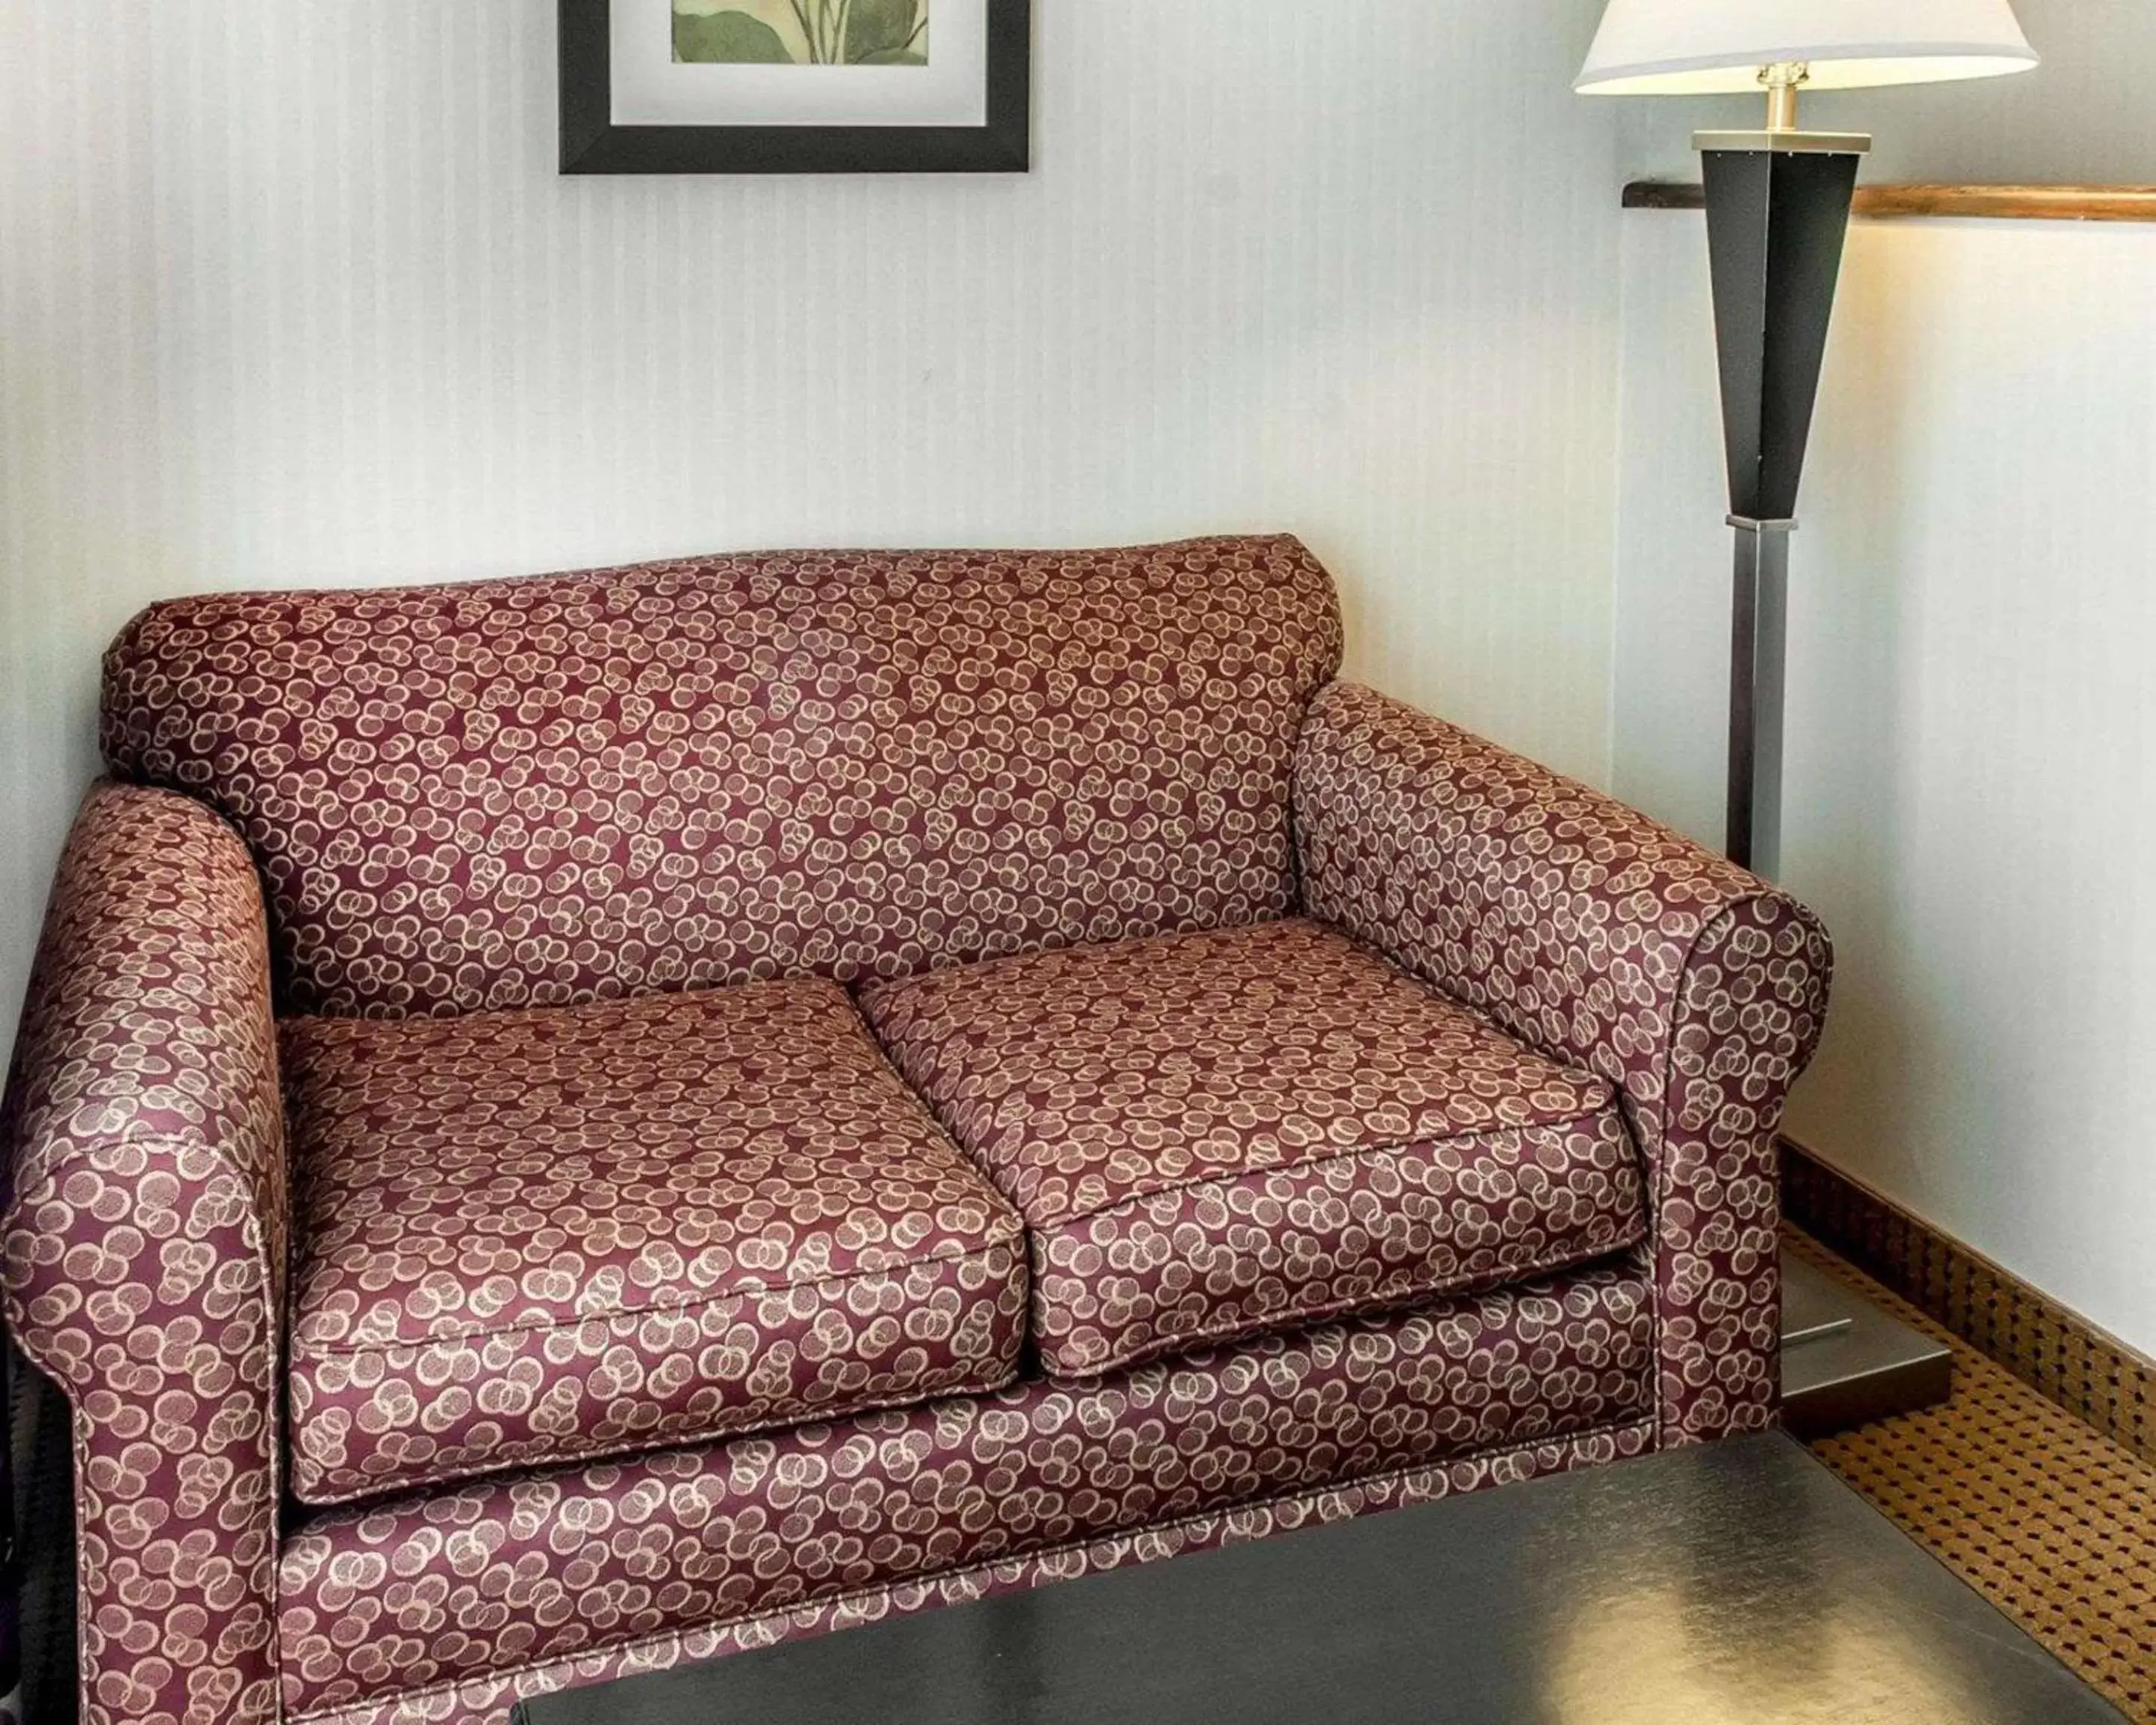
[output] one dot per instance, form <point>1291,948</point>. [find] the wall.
<point>1972,794</point>
<point>289,293</point>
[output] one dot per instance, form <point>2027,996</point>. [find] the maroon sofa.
<point>568,1125</point>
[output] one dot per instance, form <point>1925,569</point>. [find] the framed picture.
<point>796,86</point>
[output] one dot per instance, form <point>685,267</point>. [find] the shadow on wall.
<point>1849,789</point>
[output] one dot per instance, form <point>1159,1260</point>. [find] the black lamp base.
<point>1777,215</point>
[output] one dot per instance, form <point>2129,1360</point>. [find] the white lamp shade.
<point>1718,46</point>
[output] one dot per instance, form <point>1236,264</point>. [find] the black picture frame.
<point>592,144</point>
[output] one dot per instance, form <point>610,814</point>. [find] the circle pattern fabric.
<point>691,774</point>
<point>148,1224</point>
<point>145,1243</point>
<point>1212,1135</point>
<point>538,1237</point>
<point>1615,944</point>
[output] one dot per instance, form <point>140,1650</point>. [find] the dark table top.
<point>1739,1584</point>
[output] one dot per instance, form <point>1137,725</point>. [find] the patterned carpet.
<point>2053,1523</point>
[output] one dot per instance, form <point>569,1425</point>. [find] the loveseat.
<point>567,1125</point>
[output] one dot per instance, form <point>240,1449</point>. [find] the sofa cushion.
<point>546,1236</point>
<point>1212,1135</point>
<point>691,774</point>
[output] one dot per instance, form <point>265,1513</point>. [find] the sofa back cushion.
<point>688,774</point>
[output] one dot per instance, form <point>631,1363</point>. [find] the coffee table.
<point>1739,1584</point>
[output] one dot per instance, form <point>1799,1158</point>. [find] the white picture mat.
<point>649,89</point>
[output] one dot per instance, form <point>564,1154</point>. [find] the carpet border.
<point>2069,1361</point>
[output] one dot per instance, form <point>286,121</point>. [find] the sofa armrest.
<point>145,1237</point>
<point>1611,942</point>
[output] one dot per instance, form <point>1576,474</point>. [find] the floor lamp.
<point>1778,204</point>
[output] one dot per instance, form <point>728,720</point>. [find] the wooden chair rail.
<point>2027,203</point>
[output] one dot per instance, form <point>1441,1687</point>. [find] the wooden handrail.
<point>2025,203</point>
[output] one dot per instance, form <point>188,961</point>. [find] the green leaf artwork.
<point>801,33</point>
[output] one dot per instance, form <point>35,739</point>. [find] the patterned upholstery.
<point>543,1236</point>
<point>671,1553</point>
<point>1610,943</point>
<point>552,1210</point>
<point>490,1697</point>
<point>538,792</point>
<point>145,1251</point>
<point>1212,1135</point>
